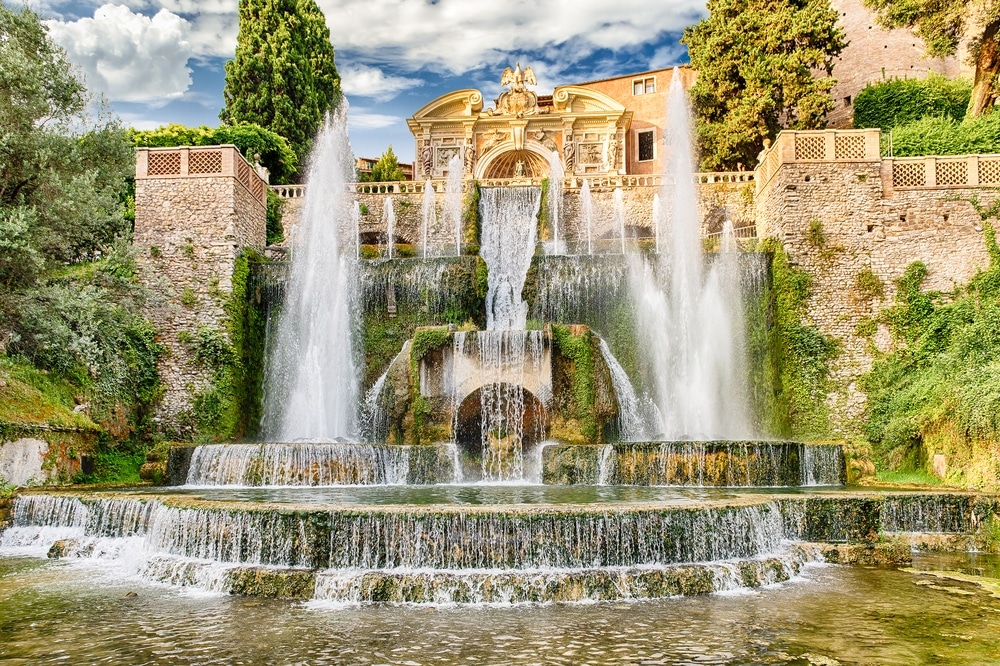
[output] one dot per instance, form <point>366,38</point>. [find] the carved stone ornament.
<point>518,100</point>
<point>544,138</point>
<point>495,139</point>
<point>427,160</point>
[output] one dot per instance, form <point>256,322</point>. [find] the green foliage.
<point>944,136</point>
<point>867,285</point>
<point>62,168</point>
<point>757,62</point>
<point>386,170</point>
<point>943,26</point>
<point>895,102</point>
<point>252,140</point>
<point>907,478</point>
<point>275,206</point>
<point>188,298</point>
<point>816,236</point>
<point>428,339</point>
<point>115,467</point>
<point>283,76</point>
<point>471,222</point>
<point>800,355</point>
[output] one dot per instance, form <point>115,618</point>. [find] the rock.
<point>153,471</point>
<point>62,548</point>
<point>131,595</point>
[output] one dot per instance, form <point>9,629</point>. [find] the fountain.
<point>503,451</point>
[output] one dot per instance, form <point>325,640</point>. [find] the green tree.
<point>757,62</point>
<point>62,171</point>
<point>943,25</point>
<point>387,169</point>
<point>283,76</point>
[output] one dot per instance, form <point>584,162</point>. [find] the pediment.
<point>456,104</point>
<point>580,100</point>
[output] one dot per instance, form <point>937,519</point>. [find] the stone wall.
<point>189,230</point>
<point>840,218</point>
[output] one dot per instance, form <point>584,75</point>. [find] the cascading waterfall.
<point>691,329</point>
<point>631,420</point>
<point>389,222</point>
<point>555,197</point>
<point>508,243</point>
<point>312,388</point>
<point>453,201</point>
<point>656,219</point>
<point>428,218</point>
<point>587,211</point>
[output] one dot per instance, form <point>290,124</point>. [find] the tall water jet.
<point>555,196</point>
<point>312,389</point>
<point>453,201</point>
<point>389,222</point>
<point>656,219</point>
<point>428,216</point>
<point>691,328</point>
<point>587,211</point>
<point>619,200</point>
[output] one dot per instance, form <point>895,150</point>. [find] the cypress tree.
<point>283,76</point>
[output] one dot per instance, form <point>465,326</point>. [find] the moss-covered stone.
<point>895,553</point>
<point>272,583</point>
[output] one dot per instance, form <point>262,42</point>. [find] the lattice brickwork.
<point>257,189</point>
<point>205,161</point>
<point>989,172</point>
<point>849,147</point>
<point>243,173</point>
<point>164,163</point>
<point>908,174</point>
<point>952,172</point>
<point>810,147</point>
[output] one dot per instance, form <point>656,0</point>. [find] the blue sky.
<point>161,61</point>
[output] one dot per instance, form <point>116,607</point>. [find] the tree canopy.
<point>283,76</point>
<point>943,26</point>
<point>387,169</point>
<point>757,63</point>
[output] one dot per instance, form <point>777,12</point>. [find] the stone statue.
<point>518,101</point>
<point>470,155</point>
<point>519,169</point>
<point>569,154</point>
<point>613,150</point>
<point>427,160</point>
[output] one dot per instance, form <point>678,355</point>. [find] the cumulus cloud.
<point>362,119</point>
<point>127,56</point>
<point>364,81</point>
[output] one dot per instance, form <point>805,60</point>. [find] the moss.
<point>867,285</point>
<point>428,339</point>
<point>188,298</point>
<point>578,347</point>
<point>471,222</point>
<point>32,396</point>
<point>799,355</point>
<point>544,224</point>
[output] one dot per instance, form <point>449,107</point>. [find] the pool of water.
<point>83,612</point>
<point>477,494</point>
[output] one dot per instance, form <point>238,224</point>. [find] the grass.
<point>908,478</point>
<point>29,395</point>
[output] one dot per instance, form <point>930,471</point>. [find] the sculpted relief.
<point>518,100</point>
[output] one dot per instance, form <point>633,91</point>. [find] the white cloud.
<point>361,119</point>
<point>127,56</point>
<point>667,56</point>
<point>364,81</point>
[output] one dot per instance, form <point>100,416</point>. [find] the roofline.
<point>631,76</point>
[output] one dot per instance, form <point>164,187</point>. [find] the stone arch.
<point>469,420</point>
<point>504,156</point>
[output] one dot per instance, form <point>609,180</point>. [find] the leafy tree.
<point>387,169</point>
<point>757,62</point>
<point>62,171</point>
<point>283,76</point>
<point>943,25</point>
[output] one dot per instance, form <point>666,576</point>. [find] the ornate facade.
<point>584,129</point>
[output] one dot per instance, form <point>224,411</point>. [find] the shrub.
<point>897,102</point>
<point>944,136</point>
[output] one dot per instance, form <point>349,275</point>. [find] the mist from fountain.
<point>587,211</point>
<point>312,388</point>
<point>555,197</point>
<point>619,201</point>
<point>689,319</point>
<point>389,223</point>
<point>656,219</point>
<point>453,201</point>
<point>428,217</point>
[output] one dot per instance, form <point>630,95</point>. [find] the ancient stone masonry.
<point>842,211</point>
<point>197,209</point>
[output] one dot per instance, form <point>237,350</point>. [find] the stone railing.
<point>569,183</point>
<point>200,162</point>
<point>935,172</point>
<point>791,147</point>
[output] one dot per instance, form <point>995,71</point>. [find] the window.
<point>644,86</point>
<point>647,145</point>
